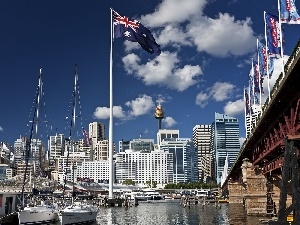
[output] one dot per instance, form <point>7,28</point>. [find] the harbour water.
<point>169,212</point>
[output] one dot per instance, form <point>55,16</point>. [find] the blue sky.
<point>207,47</point>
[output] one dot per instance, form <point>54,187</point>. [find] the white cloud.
<point>163,71</point>
<point>234,108</point>
<point>220,91</point>
<point>137,107</point>
<point>222,36</point>
<point>104,112</point>
<point>140,106</point>
<point>174,36</point>
<point>201,99</point>
<point>1,129</point>
<point>169,121</point>
<point>173,11</point>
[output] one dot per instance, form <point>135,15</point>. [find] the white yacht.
<point>151,194</point>
<point>78,214</point>
<point>42,214</point>
<point>33,213</point>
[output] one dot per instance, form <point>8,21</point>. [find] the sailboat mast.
<point>28,143</point>
<point>40,86</point>
<point>71,136</point>
<point>74,104</point>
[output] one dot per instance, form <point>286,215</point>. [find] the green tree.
<point>151,184</point>
<point>128,182</point>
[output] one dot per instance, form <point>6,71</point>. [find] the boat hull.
<point>37,215</point>
<point>78,216</point>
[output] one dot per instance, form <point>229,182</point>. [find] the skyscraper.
<point>224,140</point>
<point>201,140</point>
<point>164,133</point>
<point>56,147</point>
<point>144,166</point>
<point>251,118</point>
<point>185,159</point>
<point>96,131</point>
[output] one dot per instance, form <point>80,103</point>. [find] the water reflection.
<point>170,212</point>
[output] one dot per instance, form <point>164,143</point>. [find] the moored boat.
<point>78,214</point>
<point>38,215</point>
<point>153,195</point>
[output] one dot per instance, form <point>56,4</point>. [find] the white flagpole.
<point>259,75</point>
<point>253,88</point>
<point>245,100</point>
<point>250,107</point>
<point>267,53</point>
<point>111,151</point>
<point>281,41</point>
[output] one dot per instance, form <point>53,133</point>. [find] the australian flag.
<point>288,12</point>
<point>134,31</point>
<point>273,32</point>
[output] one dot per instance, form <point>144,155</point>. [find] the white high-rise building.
<point>19,150</point>
<point>69,164</point>
<point>96,131</point>
<point>163,134</point>
<point>56,147</point>
<point>201,140</point>
<point>86,148</point>
<point>100,150</point>
<point>94,170</point>
<point>145,166</point>
<point>34,150</point>
<point>251,118</point>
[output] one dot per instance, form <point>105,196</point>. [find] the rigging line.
<point>30,113</point>
<point>70,134</point>
<point>28,146</point>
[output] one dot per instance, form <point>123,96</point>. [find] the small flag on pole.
<point>134,31</point>
<point>288,12</point>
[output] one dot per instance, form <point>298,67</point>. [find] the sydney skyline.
<point>206,52</point>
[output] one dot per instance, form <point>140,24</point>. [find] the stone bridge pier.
<point>258,193</point>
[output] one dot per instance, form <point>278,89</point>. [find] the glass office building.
<point>185,161</point>
<point>224,140</point>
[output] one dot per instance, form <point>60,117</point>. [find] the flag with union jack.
<point>134,31</point>
<point>288,12</point>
